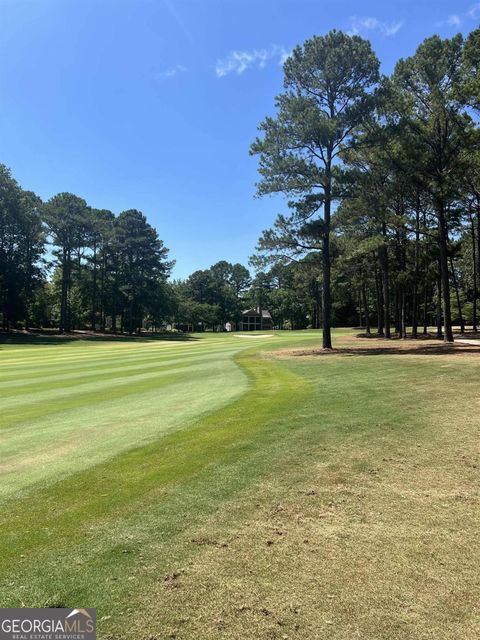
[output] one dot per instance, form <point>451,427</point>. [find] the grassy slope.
<point>335,498</point>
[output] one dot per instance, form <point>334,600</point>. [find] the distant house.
<point>255,320</point>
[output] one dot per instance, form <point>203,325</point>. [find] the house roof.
<point>254,312</point>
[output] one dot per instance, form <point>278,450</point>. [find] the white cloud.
<point>474,11</point>
<point>239,61</point>
<point>454,20</point>
<point>171,72</point>
<point>360,25</point>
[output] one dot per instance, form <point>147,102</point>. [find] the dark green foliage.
<point>107,270</point>
<point>22,240</point>
<point>212,297</point>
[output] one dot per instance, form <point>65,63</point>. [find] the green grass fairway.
<point>70,407</point>
<point>224,487</point>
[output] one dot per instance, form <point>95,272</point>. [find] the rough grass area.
<point>320,497</point>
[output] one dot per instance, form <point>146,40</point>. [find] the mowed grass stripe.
<point>60,443</point>
<point>53,402</point>
<point>47,371</point>
<point>50,380</point>
<point>90,354</point>
<point>60,353</point>
<point>19,409</point>
<point>49,460</point>
<point>21,412</point>
<point>61,430</point>
<point>118,488</point>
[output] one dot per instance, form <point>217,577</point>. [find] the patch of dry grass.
<point>362,537</point>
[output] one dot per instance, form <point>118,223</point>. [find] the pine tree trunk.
<point>425,305</point>
<point>477,206</point>
<point>383,252</point>
<point>403,313</point>
<point>360,323</point>
<point>365,307</point>
<point>378,293</point>
<point>439,306</point>
<point>64,294</point>
<point>130,317</point>
<point>94,289</point>
<point>457,294</point>
<point>114,309</point>
<point>443,250</point>
<point>474,265</point>
<point>425,282</point>
<point>326,266</point>
<point>416,272</point>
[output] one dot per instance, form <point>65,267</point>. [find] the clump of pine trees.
<point>382,179</point>
<point>66,265</point>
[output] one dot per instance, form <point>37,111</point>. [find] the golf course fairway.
<point>213,486</point>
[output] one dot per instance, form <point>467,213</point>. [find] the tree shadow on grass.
<point>424,350</point>
<point>42,338</point>
<point>438,349</point>
<point>376,336</point>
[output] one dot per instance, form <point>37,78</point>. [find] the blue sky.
<point>152,104</point>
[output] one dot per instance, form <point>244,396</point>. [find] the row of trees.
<point>381,175</point>
<point>100,265</point>
<point>211,297</point>
<point>64,264</point>
<point>215,297</point>
<point>69,266</point>
<point>382,180</point>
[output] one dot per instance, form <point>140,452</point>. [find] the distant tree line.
<point>214,298</point>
